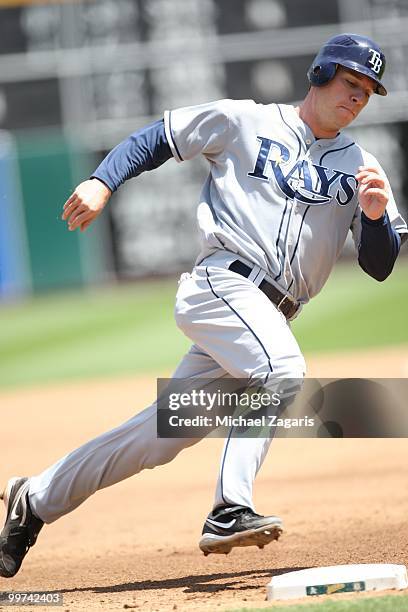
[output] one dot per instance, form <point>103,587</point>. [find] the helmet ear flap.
<point>321,73</point>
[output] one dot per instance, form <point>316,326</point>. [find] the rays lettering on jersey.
<point>307,182</point>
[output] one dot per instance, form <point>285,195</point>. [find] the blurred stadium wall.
<point>77,77</point>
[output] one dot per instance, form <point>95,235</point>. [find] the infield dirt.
<point>135,545</point>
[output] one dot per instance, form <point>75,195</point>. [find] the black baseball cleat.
<point>21,528</point>
<point>227,527</point>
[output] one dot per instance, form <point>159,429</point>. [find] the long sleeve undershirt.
<point>145,149</point>
<point>379,246</point>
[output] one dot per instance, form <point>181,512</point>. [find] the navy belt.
<point>286,305</point>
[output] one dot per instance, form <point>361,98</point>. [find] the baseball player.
<point>285,185</point>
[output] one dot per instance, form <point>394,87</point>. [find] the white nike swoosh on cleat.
<point>222,525</point>
<point>13,515</point>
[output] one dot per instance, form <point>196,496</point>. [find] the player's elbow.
<point>381,277</point>
<point>378,268</point>
<point>379,274</point>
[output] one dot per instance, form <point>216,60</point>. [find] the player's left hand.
<point>373,192</point>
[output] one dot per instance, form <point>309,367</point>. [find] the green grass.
<point>355,311</point>
<point>102,332</point>
<point>130,329</point>
<point>388,603</point>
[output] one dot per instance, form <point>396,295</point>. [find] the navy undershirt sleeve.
<point>146,149</point>
<point>379,246</point>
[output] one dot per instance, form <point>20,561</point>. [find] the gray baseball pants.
<point>237,332</point>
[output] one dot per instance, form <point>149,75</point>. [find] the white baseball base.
<point>338,579</point>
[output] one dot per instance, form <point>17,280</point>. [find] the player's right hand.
<point>85,204</point>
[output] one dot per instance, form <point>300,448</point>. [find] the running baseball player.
<point>285,186</point>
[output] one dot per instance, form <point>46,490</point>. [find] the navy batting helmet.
<point>351,51</point>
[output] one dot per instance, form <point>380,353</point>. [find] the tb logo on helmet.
<point>352,51</point>
<point>375,60</point>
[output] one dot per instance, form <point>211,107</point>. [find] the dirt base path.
<point>135,544</point>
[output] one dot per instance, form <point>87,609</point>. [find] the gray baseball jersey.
<point>275,195</point>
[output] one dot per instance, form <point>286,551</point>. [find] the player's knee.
<point>182,316</point>
<point>179,310</point>
<point>165,450</point>
<point>289,366</point>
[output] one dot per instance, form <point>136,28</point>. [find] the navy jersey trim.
<point>173,139</point>
<point>297,243</point>
<point>335,151</point>
<point>285,241</point>
<point>244,322</point>
<point>300,231</point>
<point>223,464</point>
<point>266,379</point>
<point>291,129</point>
<point>277,246</point>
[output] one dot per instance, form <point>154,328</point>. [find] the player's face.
<point>344,97</point>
